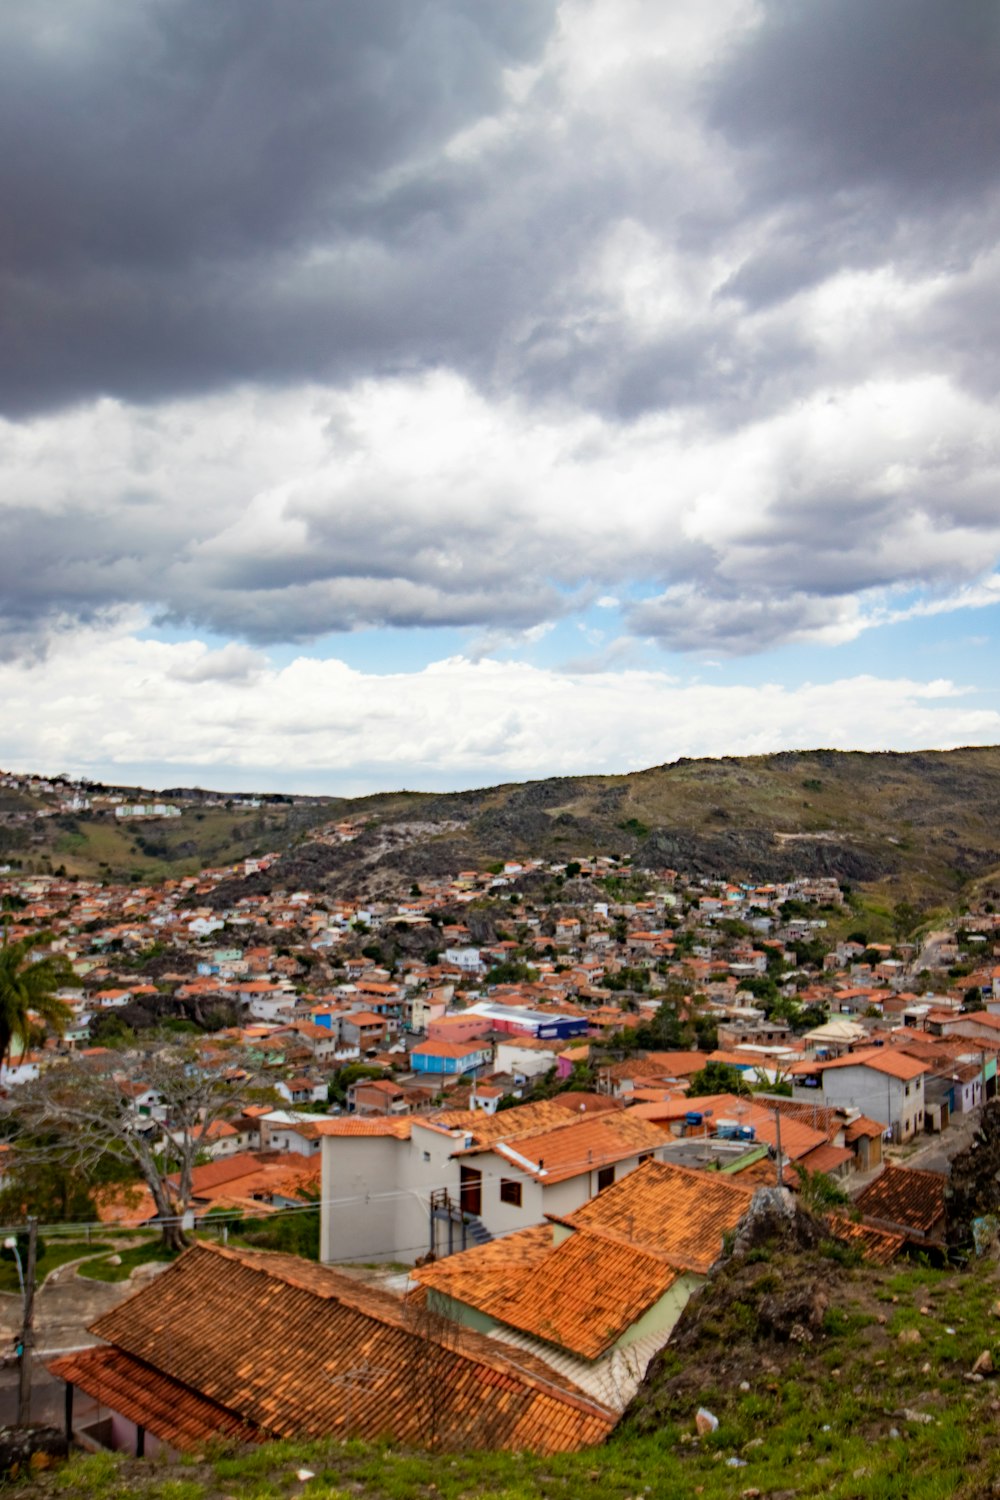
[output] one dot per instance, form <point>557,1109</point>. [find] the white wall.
<point>877,1095</point>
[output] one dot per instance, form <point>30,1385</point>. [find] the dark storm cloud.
<point>167,165</point>
<point>870,131</point>
<point>205,198</point>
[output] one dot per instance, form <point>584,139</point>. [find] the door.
<point>471,1191</point>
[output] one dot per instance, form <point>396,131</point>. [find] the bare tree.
<point>80,1117</point>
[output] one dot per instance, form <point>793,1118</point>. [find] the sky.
<point>434,393</point>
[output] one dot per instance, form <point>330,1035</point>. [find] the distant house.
<point>450,1059</point>
<point>882,1082</point>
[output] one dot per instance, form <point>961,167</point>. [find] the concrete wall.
<point>529,1062</point>
<point>362,1171</point>
<point>877,1095</point>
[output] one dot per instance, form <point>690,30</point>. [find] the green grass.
<point>56,1254</point>
<point>139,1255</point>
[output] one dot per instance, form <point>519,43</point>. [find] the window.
<point>605,1178</point>
<point>645,1156</point>
<point>510,1192</point>
<point>427,1156</point>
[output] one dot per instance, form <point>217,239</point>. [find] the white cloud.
<point>418,501</point>
<point>115,701</point>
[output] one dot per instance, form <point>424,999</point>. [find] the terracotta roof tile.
<point>281,1343</point>
<point>580,1295</point>
<point>166,1408</point>
<point>878,1246</point>
<point>905,1197</point>
<point>672,1212</point>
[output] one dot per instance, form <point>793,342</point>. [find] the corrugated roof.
<point>301,1350</point>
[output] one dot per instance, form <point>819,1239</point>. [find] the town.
<point>494,1127</point>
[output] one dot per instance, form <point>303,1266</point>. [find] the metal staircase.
<point>463,1229</point>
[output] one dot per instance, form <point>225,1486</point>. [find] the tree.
<point>717,1078</point>
<point>83,1119</point>
<point>819,1192</point>
<point>27,988</point>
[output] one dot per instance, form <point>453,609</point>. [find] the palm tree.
<point>27,989</point>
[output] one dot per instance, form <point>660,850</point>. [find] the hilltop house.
<point>442,1183</point>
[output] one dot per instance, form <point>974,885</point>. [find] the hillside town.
<point>533,1100</point>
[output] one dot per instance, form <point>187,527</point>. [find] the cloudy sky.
<point>437,392</point>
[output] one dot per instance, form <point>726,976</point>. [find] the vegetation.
<point>27,987</point>
<point>120,1268</point>
<point>718,1078</point>
<point>77,1119</point>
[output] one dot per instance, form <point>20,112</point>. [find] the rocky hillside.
<point>922,826</point>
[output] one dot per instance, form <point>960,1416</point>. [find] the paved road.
<point>935,1152</point>
<point>64,1307</point>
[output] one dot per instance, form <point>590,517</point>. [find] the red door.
<point>471,1191</point>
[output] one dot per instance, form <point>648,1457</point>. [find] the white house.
<point>395,1188</point>
<point>882,1082</point>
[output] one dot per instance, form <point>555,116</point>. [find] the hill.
<point>918,826</point>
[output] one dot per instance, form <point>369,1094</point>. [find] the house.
<point>436,1182</point>
<point>284,1130</point>
<point>363,1029</point>
<point>264,1346</point>
<point>377,1096</point>
<point>882,1082</point>
<point>596,1294</point>
<point>907,1201</point>
<point>452,1059</point>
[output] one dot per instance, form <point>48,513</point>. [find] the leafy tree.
<point>28,988</point>
<point>818,1191</point>
<point>511,972</point>
<point>343,1078</point>
<point>80,1119</point>
<point>665,1032</point>
<point>718,1078</point>
<point>905,918</point>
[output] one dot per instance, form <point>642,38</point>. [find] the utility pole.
<point>27,1329</point>
<point>777,1147</point>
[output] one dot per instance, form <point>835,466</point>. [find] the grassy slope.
<point>817,1421</point>
<point>931,816</point>
<point>158,850</point>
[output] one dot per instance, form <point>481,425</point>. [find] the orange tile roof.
<point>889,1060</point>
<point>357,1126</point>
<point>580,1295</point>
<point>863,1125</point>
<point>905,1197</point>
<point>672,1212</point>
<point>581,1146</point>
<point>301,1350</point>
<point>878,1246</point>
<point>167,1409</point>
